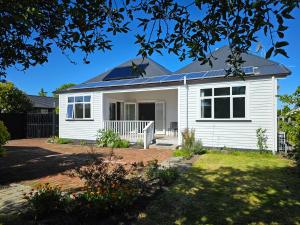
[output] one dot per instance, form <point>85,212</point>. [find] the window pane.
<point>112,111</point>
<point>206,108</point>
<point>222,107</point>
<point>70,99</point>
<point>222,91</point>
<point>206,92</point>
<point>87,110</point>
<point>130,112</point>
<point>239,90</point>
<point>78,111</point>
<point>79,99</point>
<point>239,107</point>
<point>70,111</point>
<point>87,98</point>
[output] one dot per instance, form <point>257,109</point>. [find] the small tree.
<point>62,87</point>
<point>4,136</point>
<point>13,100</point>
<point>261,139</point>
<point>42,92</point>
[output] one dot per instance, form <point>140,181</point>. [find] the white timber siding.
<point>80,129</point>
<point>260,112</point>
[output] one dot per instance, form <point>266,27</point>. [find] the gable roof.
<point>43,101</point>
<point>263,66</point>
<point>124,70</point>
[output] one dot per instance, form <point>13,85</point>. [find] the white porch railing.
<point>132,130</point>
<point>148,134</point>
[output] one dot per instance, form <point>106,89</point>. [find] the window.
<point>223,102</point>
<point>79,107</point>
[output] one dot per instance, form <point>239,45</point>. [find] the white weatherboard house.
<point>223,111</point>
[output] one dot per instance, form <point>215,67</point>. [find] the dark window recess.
<point>206,92</point>
<point>239,107</point>
<point>239,90</point>
<point>112,111</point>
<point>87,110</point>
<point>79,111</point>
<point>222,91</point>
<point>206,108</point>
<point>222,108</point>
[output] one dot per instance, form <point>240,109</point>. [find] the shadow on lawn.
<point>27,163</point>
<point>229,196</point>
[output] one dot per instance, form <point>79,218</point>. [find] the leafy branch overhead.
<point>29,30</point>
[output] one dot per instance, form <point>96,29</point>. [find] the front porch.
<point>142,116</point>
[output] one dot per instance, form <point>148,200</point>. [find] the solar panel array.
<point>159,79</point>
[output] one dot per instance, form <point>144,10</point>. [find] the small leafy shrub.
<point>166,176</point>
<point>107,138</point>
<point>297,151</point>
<point>46,200</point>
<point>108,186</point>
<point>82,142</point>
<point>140,143</point>
<point>188,137</point>
<point>52,140</point>
<point>197,148</point>
<point>64,141</point>
<point>185,153</point>
<point>123,144</point>
<point>4,137</point>
<point>110,139</point>
<point>261,139</point>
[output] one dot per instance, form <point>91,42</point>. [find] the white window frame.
<point>73,103</point>
<point>135,110</point>
<point>231,96</point>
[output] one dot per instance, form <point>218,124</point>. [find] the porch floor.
<point>165,141</point>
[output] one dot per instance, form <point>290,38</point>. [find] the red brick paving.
<point>34,161</point>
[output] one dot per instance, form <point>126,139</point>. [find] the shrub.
<point>82,142</point>
<point>107,138</point>
<point>188,138</point>
<point>261,139</point>
<point>64,141</point>
<point>46,200</point>
<point>4,137</point>
<point>197,148</point>
<point>108,187</point>
<point>297,150</point>
<point>53,139</point>
<point>123,144</point>
<point>165,175</point>
<point>185,153</point>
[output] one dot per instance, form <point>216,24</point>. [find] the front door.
<point>147,111</point>
<point>154,112</point>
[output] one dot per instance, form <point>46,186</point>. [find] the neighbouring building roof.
<point>125,71</point>
<point>263,66</point>
<point>43,101</point>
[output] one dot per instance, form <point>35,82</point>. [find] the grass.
<point>230,188</point>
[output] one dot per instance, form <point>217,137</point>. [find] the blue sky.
<point>59,70</point>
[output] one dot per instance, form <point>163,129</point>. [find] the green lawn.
<point>230,188</point>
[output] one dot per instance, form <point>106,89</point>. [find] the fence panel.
<point>42,125</point>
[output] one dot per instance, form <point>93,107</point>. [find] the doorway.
<point>147,111</point>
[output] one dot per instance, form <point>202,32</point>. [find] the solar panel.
<point>159,79</point>
<point>195,75</point>
<point>125,72</point>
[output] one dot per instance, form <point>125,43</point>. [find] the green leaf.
<point>269,53</point>
<point>281,44</point>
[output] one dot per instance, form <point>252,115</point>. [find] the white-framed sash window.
<point>79,107</point>
<point>223,102</point>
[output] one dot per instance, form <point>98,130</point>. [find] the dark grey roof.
<point>124,70</point>
<point>264,66</point>
<point>43,101</point>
